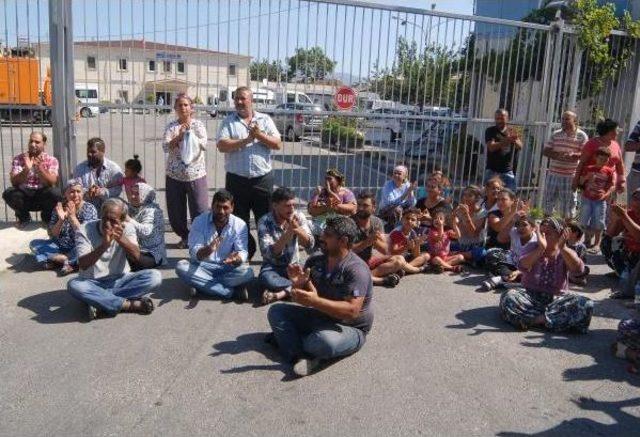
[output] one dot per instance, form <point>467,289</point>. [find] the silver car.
<point>294,125</point>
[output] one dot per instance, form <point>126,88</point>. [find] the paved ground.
<point>439,362</point>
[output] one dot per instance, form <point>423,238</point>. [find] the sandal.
<point>456,269</point>
<point>269,297</point>
<point>144,305</point>
<point>67,269</point>
<point>391,281</point>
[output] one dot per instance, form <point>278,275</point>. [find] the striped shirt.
<point>562,142</point>
<point>635,137</point>
<point>254,159</point>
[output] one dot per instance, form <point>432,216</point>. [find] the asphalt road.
<point>439,361</point>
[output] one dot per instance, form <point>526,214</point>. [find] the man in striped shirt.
<point>563,150</point>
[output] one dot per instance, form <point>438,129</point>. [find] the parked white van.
<point>88,101</point>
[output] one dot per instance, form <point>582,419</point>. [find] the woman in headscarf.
<point>331,200</point>
<point>397,194</point>
<point>147,218</point>
<point>543,301</point>
<point>66,218</point>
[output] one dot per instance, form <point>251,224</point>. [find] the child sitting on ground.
<point>471,219</point>
<point>132,170</point>
<point>405,241</point>
<point>575,242</point>
<point>598,183</point>
<point>439,241</point>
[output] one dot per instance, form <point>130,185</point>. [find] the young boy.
<point>598,183</point>
<point>439,240</point>
<point>472,220</point>
<point>405,241</point>
<point>574,242</point>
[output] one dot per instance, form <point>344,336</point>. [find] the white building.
<point>140,71</point>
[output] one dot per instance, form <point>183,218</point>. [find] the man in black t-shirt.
<point>334,291</point>
<point>503,145</point>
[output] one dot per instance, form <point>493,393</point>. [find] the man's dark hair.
<point>366,194</point>
<point>222,196</point>
<point>96,142</point>
<point>606,126</point>
<point>342,226</point>
<point>412,211</point>
<point>282,194</point>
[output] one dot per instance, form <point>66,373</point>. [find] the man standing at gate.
<point>563,150</point>
<point>247,137</point>
<point>34,175</point>
<point>502,147</point>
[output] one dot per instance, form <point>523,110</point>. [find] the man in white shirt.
<point>218,248</point>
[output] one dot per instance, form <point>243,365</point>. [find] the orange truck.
<point>21,99</point>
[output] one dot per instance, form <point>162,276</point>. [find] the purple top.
<point>548,275</point>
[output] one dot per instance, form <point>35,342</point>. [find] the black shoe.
<point>391,281</point>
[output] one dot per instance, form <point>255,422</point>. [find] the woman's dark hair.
<point>508,192</point>
<point>282,194</point>
<point>575,227</point>
<point>134,164</point>
<point>606,126</point>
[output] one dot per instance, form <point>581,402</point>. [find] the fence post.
<point>63,105</point>
<point>551,91</point>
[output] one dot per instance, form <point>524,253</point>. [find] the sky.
<point>356,38</point>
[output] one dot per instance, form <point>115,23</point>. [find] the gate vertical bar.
<point>63,110</point>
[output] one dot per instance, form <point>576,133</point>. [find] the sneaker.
<point>242,293</point>
<point>492,283</point>
<point>391,281</point>
<point>93,313</point>
<point>193,292</point>
<point>306,367</point>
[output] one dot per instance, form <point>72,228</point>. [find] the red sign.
<point>345,98</point>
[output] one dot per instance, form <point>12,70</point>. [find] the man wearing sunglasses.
<point>334,293</point>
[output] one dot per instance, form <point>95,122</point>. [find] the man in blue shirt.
<point>247,137</point>
<point>218,249</point>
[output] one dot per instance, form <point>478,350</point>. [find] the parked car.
<point>294,125</point>
<point>375,126</point>
<point>429,150</point>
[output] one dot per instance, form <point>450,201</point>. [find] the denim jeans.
<point>213,279</point>
<point>509,178</point>
<point>108,294</point>
<point>306,332</point>
<point>44,250</point>
<point>593,214</point>
<point>274,278</point>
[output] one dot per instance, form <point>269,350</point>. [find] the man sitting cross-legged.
<point>385,269</point>
<point>281,232</point>
<point>218,249</point>
<point>334,291</point>
<point>105,283</point>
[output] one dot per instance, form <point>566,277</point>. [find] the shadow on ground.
<point>55,307</point>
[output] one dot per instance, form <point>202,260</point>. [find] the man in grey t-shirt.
<point>335,292</point>
<point>104,247</point>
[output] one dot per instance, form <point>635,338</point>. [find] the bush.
<point>342,132</point>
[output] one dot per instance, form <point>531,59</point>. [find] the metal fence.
<point>428,83</point>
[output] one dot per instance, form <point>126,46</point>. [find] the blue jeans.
<point>593,214</point>
<point>44,250</point>
<point>509,178</point>
<point>274,278</point>
<point>108,294</point>
<point>306,332</point>
<point>213,279</point>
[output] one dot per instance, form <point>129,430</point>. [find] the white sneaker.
<point>305,367</point>
<point>492,283</point>
<point>193,292</point>
<point>93,313</point>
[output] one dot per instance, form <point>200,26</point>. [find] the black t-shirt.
<point>350,278</point>
<point>363,234</point>
<point>421,204</point>
<point>492,236</point>
<point>502,160</point>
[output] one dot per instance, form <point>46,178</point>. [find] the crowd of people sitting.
<point>327,261</point>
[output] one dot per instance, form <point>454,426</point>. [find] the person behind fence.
<point>331,200</point>
<point>218,249</point>
<point>281,234</point>
<point>597,181</point>
<point>334,312</point>
<point>184,145</point>
<point>247,138</point>
<point>633,145</point>
<point>66,219</point>
<point>563,150</point>
<point>105,282</point>
<point>542,301</point>
<point>132,176</point>
<point>386,269</point>
<point>147,218</point>
<point>101,178</point>
<point>397,195</point>
<point>471,219</point>
<point>439,243</point>
<point>33,175</point>
<point>621,245</point>
<point>503,144</point>
<point>607,131</point>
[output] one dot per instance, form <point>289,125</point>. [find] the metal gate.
<point>428,83</point>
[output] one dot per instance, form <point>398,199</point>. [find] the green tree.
<point>310,64</point>
<point>273,71</point>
